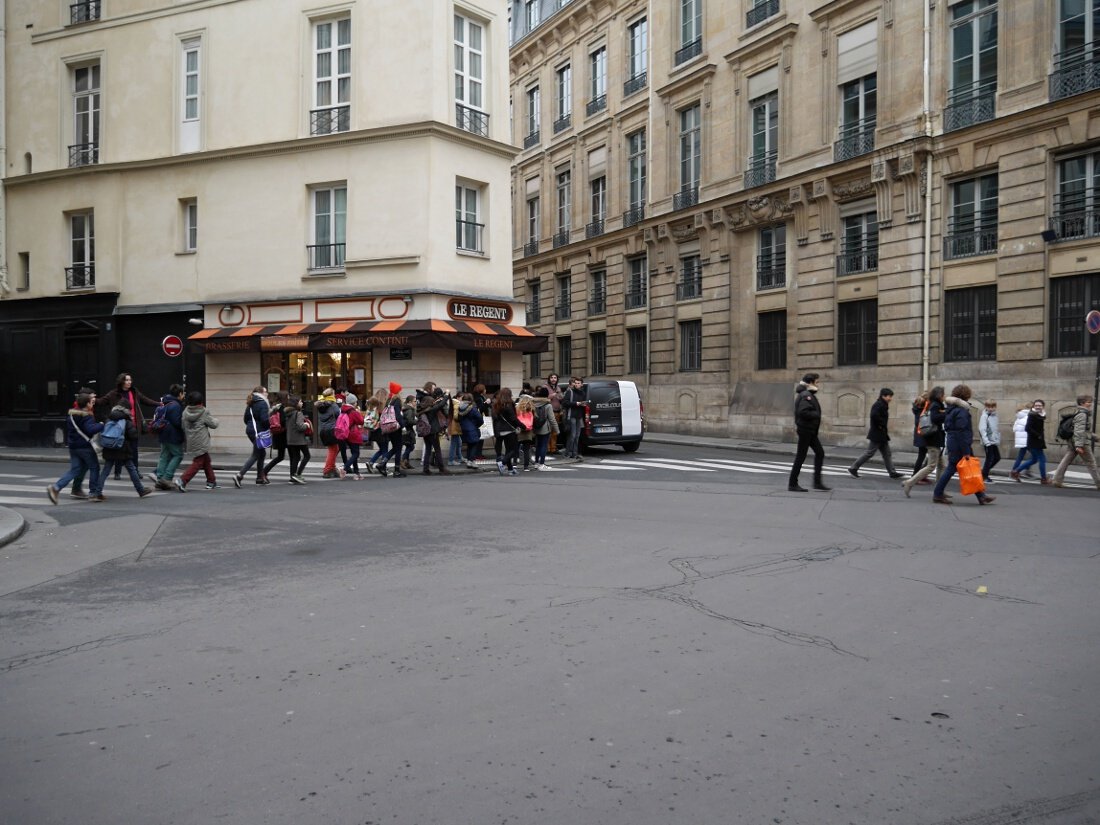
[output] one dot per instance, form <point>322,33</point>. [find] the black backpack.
<point>1065,426</point>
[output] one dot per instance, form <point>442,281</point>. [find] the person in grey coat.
<point>878,436</point>
<point>299,432</point>
<point>197,424</point>
<point>1080,446</point>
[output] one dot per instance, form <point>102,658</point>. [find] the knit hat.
<point>395,388</point>
<point>350,399</point>
<point>329,392</point>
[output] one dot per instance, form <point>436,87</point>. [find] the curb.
<point>12,525</point>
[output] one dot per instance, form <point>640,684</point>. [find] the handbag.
<point>263,437</point>
<point>970,476</point>
<point>486,429</point>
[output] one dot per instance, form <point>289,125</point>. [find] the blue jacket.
<point>85,421</point>
<point>257,412</point>
<point>959,430</point>
<point>173,414</point>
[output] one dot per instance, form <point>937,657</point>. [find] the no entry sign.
<point>1092,321</point>
<point>172,346</point>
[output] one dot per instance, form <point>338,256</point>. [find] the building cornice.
<point>411,131</point>
<point>127,19</point>
<point>778,38</point>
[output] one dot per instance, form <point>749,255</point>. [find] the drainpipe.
<point>5,287</point>
<point>927,275</point>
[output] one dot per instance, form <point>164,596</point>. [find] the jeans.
<point>807,442</point>
<point>279,450</point>
<point>511,450</point>
<point>1036,456</point>
<point>80,462</point>
<point>922,454</point>
<point>525,449</point>
<point>171,455</point>
<point>572,447</point>
<point>455,453</point>
<point>299,458</point>
<point>542,447</point>
<point>1020,457</point>
<point>97,488</point>
<point>199,462</point>
<point>876,447</point>
<point>952,464</point>
<point>992,456</point>
<point>257,458</point>
<point>351,463</point>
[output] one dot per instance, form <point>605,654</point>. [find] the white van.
<point>614,414</point>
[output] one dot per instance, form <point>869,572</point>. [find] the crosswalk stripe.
<point>681,467</point>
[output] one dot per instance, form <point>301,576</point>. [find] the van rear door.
<point>630,410</point>
<point>604,414</point>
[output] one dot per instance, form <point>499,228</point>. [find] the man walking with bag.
<point>1080,445</point>
<point>807,422</point>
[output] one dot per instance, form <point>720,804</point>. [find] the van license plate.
<point>607,428</point>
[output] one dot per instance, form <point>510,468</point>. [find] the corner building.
<point>323,186</point>
<point>713,198</point>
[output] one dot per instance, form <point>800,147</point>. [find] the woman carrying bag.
<point>257,428</point>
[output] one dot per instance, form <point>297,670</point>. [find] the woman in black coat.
<point>256,419</point>
<point>1036,442</point>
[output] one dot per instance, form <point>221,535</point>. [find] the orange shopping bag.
<point>970,476</point>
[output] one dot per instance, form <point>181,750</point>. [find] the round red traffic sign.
<point>172,346</point>
<point>1092,321</point>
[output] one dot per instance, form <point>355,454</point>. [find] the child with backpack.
<point>408,434</point>
<point>525,415</point>
<point>371,427</point>
<point>349,435</point>
<point>328,409</point>
<point>167,423</point>
<point>197,424</point>
<point>470,420</point>
<point>118,438</point>
<point>277,425</point>
<point>391,424</point>
<point>546,426</point>
<point>299,431</point>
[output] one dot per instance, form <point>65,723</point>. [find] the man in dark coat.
<point>807,422</point>
<point>878,436</point>
<point>171,438</point>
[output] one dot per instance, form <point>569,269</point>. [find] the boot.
<point>405,464</point>
<point>1045,481</point>
<point>820,485</point>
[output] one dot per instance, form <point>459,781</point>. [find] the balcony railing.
<point>760,169</point>
<point>561,238</point>
<point>532,139</point>
<point>635,298</point>
<point>633,216</point>
<point>964,244</point>
<point>598,304</point>
<point>330,120</point>
<point>692,49</point>
<point>761,12</point>
<point>596,104</point>
<point>594,229</point>
<point>1076,216</point>
<point>1076,71</point>
<point>534,313</point>
<point>969,105</point>
<point>531,248</point>
<point>469,236</point>
<point>326,256</point>
<point>84,12</point>
<point>854,261</point>
<point>855,139</point>
<point>690,285</point>
<point>80,276</point>
<point>83,154</point>
<point>563,123</point>
<point>687,196</point>
<point>472,120</point>
<point>634,84</point>
<point>562,312</point>
<point>771,270</point>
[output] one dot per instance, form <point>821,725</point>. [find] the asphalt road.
<point>676,640</point>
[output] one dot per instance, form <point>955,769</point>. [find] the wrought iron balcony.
<point>690,50</point>
<point>83,154</point>
<point>329,256</point>
<point>634,84</point>
<point>760,169</point>
<point>855,139</point>
<point>771,269</point>
<point>633,216</point>
<point>472,120</point>
<point>563,122</point>
<point>562,312</point>
<point>1076,71</point>
<point>854,261</point>
<point>964,244</point>
<point>596,104</point>
<point>687,196</point>
<point>531,248</point>
<point>534,313</point>
<point>761,12</point>
<point>532,139</point>
<point>561,238</point>
<point>598,304</point>
<point>635,298</point>
<point>84,12</point>
<point>330,120</point>
<point>80,276</point>
<point>690,285</point>
<point>1076,216</point>
<point>594,229</point>
<point>469,236</point>
<point>969,105</point>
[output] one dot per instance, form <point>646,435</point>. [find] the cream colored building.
<point>714,198</point>
<point>324,185</point>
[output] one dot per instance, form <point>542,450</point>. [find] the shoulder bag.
<point>263,437</point>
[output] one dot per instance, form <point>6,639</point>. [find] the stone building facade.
<point>713,198</point>
<point>321,187</point>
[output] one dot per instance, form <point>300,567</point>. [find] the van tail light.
<point>641,412</point>
<point>587,420</point>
